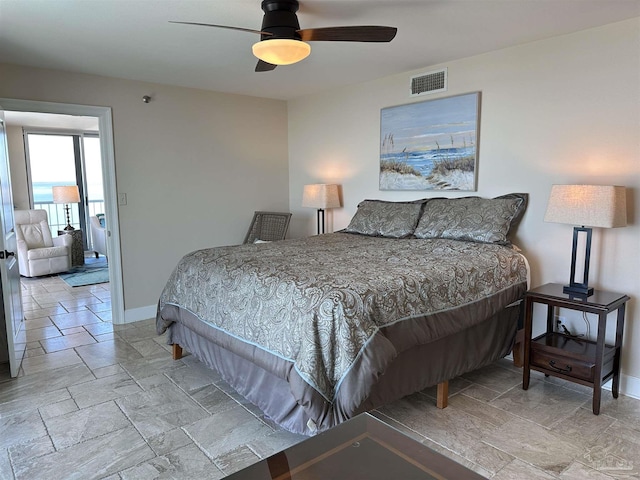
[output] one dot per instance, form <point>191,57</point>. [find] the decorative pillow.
<point>379,218</point>
<point>36,235</point>
<point>475,219</point>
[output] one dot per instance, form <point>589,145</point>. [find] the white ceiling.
<point>132,38</point>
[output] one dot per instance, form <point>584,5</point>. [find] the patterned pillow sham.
<point>475,219</point>
<point>379,218</point>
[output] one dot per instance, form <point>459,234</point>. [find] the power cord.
<point>567,332</point>
<point>586,321</point>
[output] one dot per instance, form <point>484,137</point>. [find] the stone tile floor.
<point>94,400</point>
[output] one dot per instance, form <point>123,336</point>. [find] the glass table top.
<point>363,448</point>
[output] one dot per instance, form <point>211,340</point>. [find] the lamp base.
<point>320,220</point>
<point>575,287</point>
<point>578,290</point>
<point>68,227</point>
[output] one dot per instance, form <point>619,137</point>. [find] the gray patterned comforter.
<point>318,301</point>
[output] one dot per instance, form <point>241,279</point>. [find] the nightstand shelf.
<point>575,359</point>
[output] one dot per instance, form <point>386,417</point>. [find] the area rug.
<point>86,275</point>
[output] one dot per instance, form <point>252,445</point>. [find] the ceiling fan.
<point>282,42</point>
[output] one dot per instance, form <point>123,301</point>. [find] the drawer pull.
<point>552,364</point>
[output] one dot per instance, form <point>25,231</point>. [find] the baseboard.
<point>142,313</point>
<point>629,386</point>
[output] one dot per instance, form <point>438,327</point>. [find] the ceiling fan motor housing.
<point>280,19</point>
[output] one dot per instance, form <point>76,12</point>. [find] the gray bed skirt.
<point>267,381</point>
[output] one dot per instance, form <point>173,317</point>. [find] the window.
<point>65,159</point>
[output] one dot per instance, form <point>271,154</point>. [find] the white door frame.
<point>13,333</point>
<point>105,126</point>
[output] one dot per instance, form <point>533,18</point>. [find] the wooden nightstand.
<point>578,360</point>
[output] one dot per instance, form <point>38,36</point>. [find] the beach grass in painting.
<point>430,145</point>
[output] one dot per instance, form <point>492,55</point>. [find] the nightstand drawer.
<point>563,365</point>
<point>569,356</point>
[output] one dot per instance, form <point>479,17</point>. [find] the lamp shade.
<point>587,205</point>
<point>320,195</point>
<point>281,51</point>
<point>66,194</point>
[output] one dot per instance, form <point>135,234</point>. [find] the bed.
<point>316,330</point>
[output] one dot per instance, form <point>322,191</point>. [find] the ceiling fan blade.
<point>365,33</point>
<point>263,66</point>
<point>223,26</point>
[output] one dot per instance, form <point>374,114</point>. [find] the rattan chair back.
<point>268,227</point>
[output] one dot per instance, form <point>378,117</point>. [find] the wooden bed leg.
<point>177,351</point>
<point>443,394</point>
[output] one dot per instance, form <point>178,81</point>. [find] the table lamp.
<point>585,206</point>
<point>320,196</point>
<point>66,194</point>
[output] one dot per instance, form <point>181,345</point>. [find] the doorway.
<point>105,139</point>
<point>55,158</point>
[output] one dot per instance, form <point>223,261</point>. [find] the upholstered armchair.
<point>98,236</point>
<point>38,252</point>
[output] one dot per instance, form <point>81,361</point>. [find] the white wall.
<point>564,110</point>
<point>194,164</point>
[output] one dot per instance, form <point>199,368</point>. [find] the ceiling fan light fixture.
<point>281,51</point>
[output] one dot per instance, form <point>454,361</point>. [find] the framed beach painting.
<point>430,145</point>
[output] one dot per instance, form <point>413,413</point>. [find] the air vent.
<point>429,82</point>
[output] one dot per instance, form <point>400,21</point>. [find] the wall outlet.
<point>562,326</point>
<point>122,199</point>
